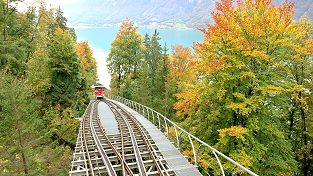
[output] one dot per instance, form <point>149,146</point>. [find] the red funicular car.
<point>99,91</point>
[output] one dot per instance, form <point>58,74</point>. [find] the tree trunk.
<point>119,83</point>
<point>306,158</point>
<point>291,120</point>
<point>22,152</point>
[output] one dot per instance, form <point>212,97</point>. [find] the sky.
<point>51,3</point>
<point>100,56</point>
<point>103,75</point>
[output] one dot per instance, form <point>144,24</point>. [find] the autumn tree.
<point>88,62</point>
<point>299,87</point>
<point>241,99</point>
<point>247,89</point>
<point>39,74</point>
<point>180,74</point>
<point>125,55</point>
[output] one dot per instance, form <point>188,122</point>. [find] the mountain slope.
<point>143,12</point>
<point>190,13</point>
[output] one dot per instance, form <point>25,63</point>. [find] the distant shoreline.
<point>149,26</point>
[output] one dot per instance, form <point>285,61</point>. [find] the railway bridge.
<point>119,137</point>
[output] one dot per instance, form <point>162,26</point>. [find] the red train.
<point>99,91</point>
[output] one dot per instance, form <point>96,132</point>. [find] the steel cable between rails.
<point>141,166</point>
<point>120,158</point>
<point>110,170</point>
<point>148,143</point>
<point>152,151</point>
<point>122,139</point>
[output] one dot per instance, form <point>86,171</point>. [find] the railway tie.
<point>130,152</point>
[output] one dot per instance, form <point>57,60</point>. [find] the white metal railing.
<point>157,119</point>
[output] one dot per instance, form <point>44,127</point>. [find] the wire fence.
<point>198,151</point>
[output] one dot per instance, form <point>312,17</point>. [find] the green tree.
<point>15,42</point>
<point>19,119</point>
<point>39,74</point>
<point>153,56</point>
<point>67,84</point>
<point>125,55</point>
<point>89,65</point>
<point>43,86</point>
<point>155,69</point>
<point>298,83</point>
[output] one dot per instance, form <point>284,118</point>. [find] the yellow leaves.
<point>181,65</point>
<point>127,34</point>
<point>251,19</point>
<point>302,100</point>
<point>298,88</point>
<point>242,108</point>
<point>187,103</point>
<point>272,90</point>
<point>241,157</point>
<point>85,54</point>
<point>239,95</point>
<point>58,31</point>
<point>259,55</point>
<point>247,106</point>
<point>247,74</point>
<point>234,131</point>
<point>188,152</point>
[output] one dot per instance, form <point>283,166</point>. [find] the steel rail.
<point>122,140</point>
<point>84,156</point>
<point>122,147</point>
<point>80,143</point>
<point>110,169</point>
<point>152,151</point>
<point>90,170</point>
<point>140,164</point>
<point>150,148</point>
<point>119,157</point>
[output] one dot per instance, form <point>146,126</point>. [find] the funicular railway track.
<point>130,152</point>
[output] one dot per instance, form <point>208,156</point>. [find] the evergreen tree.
<point>60,19</point>
<point>15,41</point>
<point>37,129</point>
<point>19,119</point>
<point>67,81</point>
<point>39,74</point>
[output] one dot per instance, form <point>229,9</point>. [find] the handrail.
<point>139,107</point>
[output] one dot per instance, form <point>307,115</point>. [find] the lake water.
<point>100,40</point>
<point>103,37</point>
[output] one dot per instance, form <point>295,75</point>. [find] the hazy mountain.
<point>144,12</point>
<point>304,8</point>
<point>190,13</point>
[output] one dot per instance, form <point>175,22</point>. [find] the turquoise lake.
<point>100,40</point>
<point>103,37</point>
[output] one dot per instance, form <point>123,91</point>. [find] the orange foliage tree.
<point>252,57</point>
<point>180,75</point>
<point>88,62</point>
